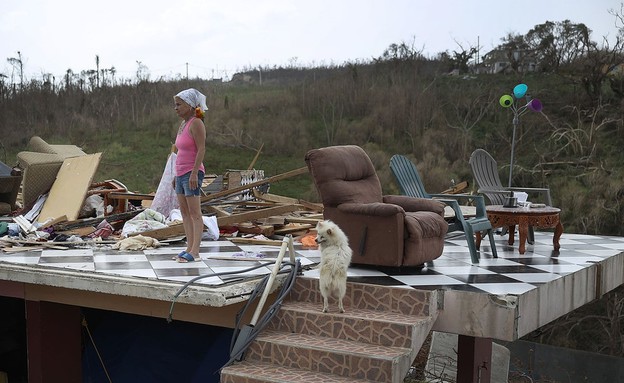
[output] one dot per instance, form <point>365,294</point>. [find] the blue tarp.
<point>144,349</point>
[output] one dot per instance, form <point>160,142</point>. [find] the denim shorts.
<point>183,187</point>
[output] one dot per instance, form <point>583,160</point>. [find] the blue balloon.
<point>520,90</point>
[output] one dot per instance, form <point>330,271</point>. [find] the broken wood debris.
<point>261,218</point>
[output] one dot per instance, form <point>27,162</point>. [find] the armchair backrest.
<point>485,171</point>
<point>344,174</point>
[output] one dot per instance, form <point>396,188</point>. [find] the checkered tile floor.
<point>510,273</point>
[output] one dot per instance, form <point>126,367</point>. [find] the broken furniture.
<point>410,184</point>
<point>383,230</point>
<point>9,187</point>
<point>106,189</point>
<point>40,165</point>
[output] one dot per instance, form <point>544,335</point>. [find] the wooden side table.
<point>543,217</point>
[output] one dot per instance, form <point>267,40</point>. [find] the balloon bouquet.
<point>512,102</point>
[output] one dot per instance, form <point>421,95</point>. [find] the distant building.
<point>498,61</point>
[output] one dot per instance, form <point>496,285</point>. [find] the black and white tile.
<point>223,262</point>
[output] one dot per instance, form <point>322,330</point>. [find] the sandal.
<point>185,257</point>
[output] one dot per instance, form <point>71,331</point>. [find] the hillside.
<point>409,107</point>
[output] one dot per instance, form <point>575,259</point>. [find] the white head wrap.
<point>193,97</point>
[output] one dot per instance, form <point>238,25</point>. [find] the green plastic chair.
<point>410,184</point>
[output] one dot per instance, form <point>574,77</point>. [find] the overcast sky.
<point>217,38</point>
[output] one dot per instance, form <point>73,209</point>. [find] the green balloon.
<point>506,101</point>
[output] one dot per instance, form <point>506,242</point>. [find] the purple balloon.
<point>535,105</point>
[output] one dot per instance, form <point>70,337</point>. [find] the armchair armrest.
<point>453,201</point>
<point>415,204</point>
<point>375,209</point>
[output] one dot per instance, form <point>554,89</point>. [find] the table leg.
<point>558,232</point>
<point>478,239</point>
<point>512,232</point>
<point>523,231</point>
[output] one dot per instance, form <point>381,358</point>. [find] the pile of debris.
<point>76,211</point>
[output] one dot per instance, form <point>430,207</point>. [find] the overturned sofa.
<point>40,164</point>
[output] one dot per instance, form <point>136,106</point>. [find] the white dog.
<point>335,259</point>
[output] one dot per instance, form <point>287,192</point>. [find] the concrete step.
<point>258,372</point>
<point>375,340</point>
<point>329,355</point>
<point>382,328</point>
<point>372,297</point>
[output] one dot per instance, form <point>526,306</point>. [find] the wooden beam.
<point>53,222</point>
<point>273,197</point>
<point>251,241</point>
<point>457,188</point>
<point>293,229</point>
<point>131,196</point>
<point>256,214</point>
<point>219,212</point>
<point>237,189</point>
<point>311,205</point>
<point>311,221</point>
<point>68,225</point>
<point>251,165</point>
<point>164,233</point>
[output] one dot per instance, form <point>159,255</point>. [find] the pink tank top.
<point>187,151</point>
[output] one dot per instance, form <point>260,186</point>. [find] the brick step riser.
<point>258,372</point>
<point>328,361</point>
<point>369,297</point>
<point>233,378</point>
<point>354,329</point>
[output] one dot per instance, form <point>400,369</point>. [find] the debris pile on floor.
<point>72,209</point>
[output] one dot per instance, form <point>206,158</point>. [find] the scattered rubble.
<point>78,211</point>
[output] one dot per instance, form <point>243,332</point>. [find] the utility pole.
<point>187,71</point>
<point>97,71</point>
<point>478,50</point>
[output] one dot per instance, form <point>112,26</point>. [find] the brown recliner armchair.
<point>390,230</point>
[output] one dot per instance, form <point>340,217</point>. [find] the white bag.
<point>212,231</point>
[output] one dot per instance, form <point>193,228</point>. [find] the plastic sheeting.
<point>165,198</point>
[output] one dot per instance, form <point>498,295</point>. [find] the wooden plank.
<point>56,220</point>
<point>251,165</point>
<point>275,220</point>
<point>457,188</point>
<point>311,221</point>
<point>219,212</point>
<point>51,245</point>
<point>273,197</point>
<point>256,214</point>
<point>252,241</point>
<point>96,221</point>
<point>22,248</point>
<point>311,205</point>
<point>130,196</point>
<point>237,189</point>
<point>70,188</point>
<point>79,231</point>
<point>164,233</point>
<point>266,230</point>
<point>293,229</point>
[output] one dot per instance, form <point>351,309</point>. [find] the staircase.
<point>375,340</point>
